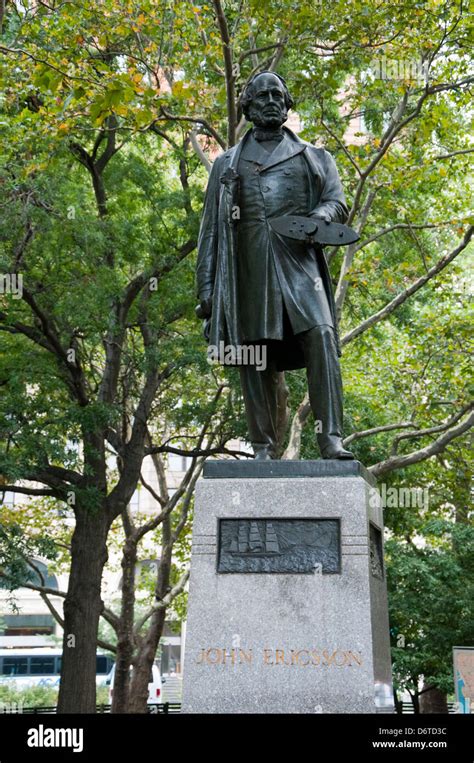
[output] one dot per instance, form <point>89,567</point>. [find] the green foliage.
<point>16,548</point>
<point>31,696</point>
<point>431,589</point>
<point>38,696</point>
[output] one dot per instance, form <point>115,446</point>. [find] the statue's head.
<point>266,100</point>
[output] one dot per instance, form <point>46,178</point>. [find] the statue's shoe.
<point>336,451</point>
<point>263,453</point>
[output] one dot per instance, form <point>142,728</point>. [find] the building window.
<point>170,659</point>
<point>28,625</point>
<point>177,463</point>
<point>135,501</point>
<point>32,576</point>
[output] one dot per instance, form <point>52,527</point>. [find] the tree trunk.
<point>433,700</point>
<point>82,609</point>
<point>125,642</point>
<point>415,699</point>
<point>300,418</point>
<point>146,655</point>
<point>283,411</point>
<point>144,663</point>
<point>398,702</point>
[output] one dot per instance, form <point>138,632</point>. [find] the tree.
<point>103,239</point>
<point>430,596</point>
<point>95,315</point>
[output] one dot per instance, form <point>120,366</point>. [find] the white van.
<point>155,687</point>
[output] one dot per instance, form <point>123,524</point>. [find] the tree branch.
<point>164,602</point>
<point>430,430</point>
<point>450,155</point>
<point>152,492</point>
<point>400,226</point>
<point>195,120</point>
<point>23,52</point>
<point>404,295</point>
<point>341,145</point>
<point>28,490</point>
<point>343,284</point>
<point>229,72</point>
<point>376,430</point>
<point>436,447</point>
<point>110,146</point>
<point>199,152</point>
<point>196,451</point>
<point>254,51</point>
<point>53,344</point>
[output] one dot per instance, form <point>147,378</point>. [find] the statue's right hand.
<point>204,309</point>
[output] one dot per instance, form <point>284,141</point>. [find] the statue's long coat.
<point>249,269</point>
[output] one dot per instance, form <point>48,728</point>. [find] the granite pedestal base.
<point>287,601</point>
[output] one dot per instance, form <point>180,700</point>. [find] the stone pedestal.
<point>287,600</point>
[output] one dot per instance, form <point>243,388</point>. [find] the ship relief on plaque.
<point>306,546</point>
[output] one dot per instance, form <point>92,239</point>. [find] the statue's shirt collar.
<point>253,151</point>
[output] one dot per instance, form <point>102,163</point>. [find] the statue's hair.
<point>248,92</point>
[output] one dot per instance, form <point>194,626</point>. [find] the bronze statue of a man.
<point>259,288</point>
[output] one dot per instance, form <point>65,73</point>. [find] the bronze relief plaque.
<point>305,546</point>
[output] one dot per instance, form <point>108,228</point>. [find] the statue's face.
<point>267,108</point>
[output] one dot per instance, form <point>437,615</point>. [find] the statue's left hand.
<point>323,215</point>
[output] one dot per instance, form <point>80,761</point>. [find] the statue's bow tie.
<point>261,135</point>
